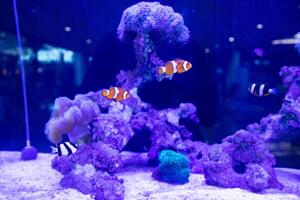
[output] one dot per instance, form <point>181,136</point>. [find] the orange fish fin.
<point>105,93</point>
<point>160,70</point>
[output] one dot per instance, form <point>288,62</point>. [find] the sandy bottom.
<point>36,180</point>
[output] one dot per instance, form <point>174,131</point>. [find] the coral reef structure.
<point>138,183</point>
<point>284,125</point>
<point>166,131</point>
<point>147,25</point>
<point>242,160</point>
<point>173,167</point>
<point>102,128</point>
<point>99,184</point>
<point>98,154</point>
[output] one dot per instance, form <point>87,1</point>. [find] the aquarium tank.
<point>150,100</point>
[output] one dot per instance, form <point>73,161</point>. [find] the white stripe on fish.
<point>174,66</point>
<point>261,90</point>
<point>184,65</point>
<point>116,93</point>
<point>64,149</point>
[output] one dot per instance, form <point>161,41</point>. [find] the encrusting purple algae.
<point>102,128</point>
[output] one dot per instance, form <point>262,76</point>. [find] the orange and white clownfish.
<point>117,93</point>
<point>175,66</point>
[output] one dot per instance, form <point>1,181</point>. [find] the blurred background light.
<point>259,26</point>
<point>68,29</point>
<point>231,39</point>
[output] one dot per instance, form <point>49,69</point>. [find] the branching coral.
<point>147,24</point>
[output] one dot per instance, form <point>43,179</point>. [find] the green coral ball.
<point>173,168</point>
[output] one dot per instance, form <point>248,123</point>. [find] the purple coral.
<point>99,184</point>
<point>102,128</point>
<point>166,132</point>
<point>147,24</point>
<point>71,117</point>
<point>108,187</point>
<point>100,155</point>
<point>62,164</point>
<point>242,160</point>
<point>86,170</point>
<point>284,125</point>
<point>113,130</point>
<point>195,151</point>
<point>152,17</point>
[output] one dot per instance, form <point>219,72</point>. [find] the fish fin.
<point>53,150</point>
<point>105,92</point>
<point>274,91</point>
<point>160,70</point>
<point>178,60</point>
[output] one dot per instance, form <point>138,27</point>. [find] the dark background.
<point>217,83</point>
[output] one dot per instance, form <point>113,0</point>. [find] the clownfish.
<point>116,93</point>
<point>64,148</point>
<point>261,90</point>
<point>175,66</point>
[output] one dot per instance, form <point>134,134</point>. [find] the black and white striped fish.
<point>261,90</point>
<point>64,148</point>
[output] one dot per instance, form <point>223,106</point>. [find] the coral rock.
<point>147,24</point>
<point>284,125</point>
<point>100,155</point>
<point>242,160</point>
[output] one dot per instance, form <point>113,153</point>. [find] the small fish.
<point>175,66</point>
<point>117,93</point>
<point>261,90</point>
<point>64,148</point>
